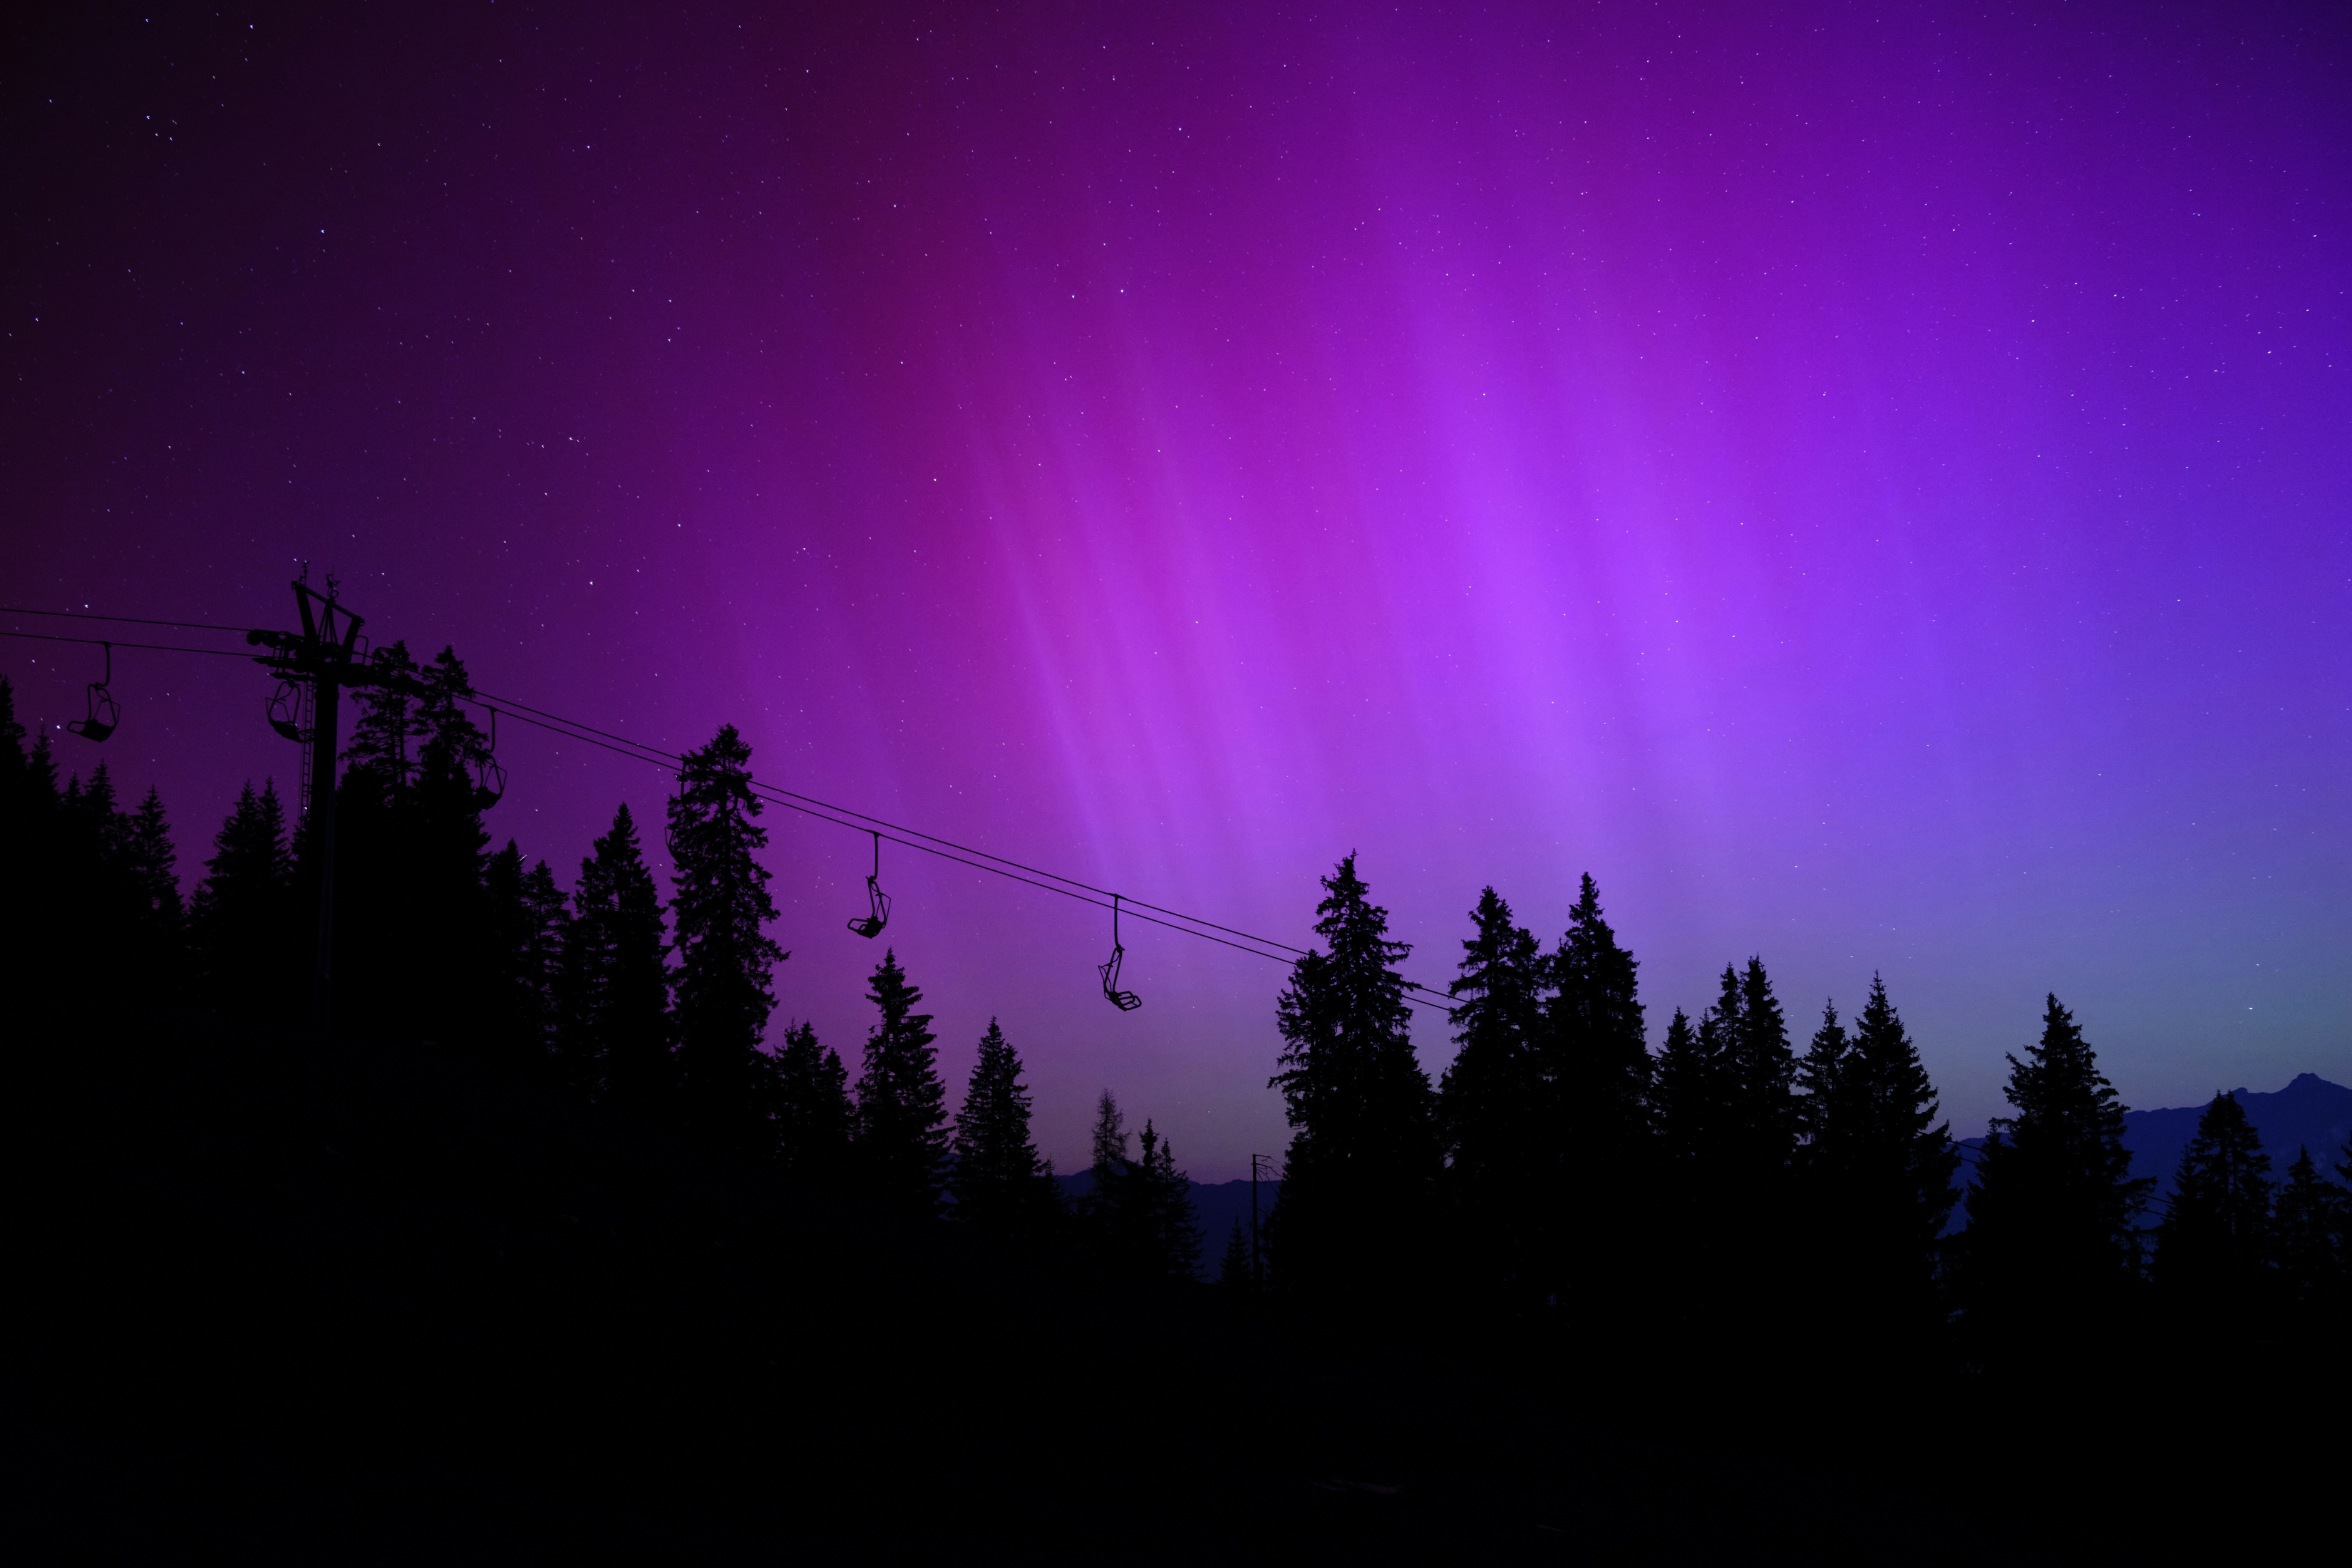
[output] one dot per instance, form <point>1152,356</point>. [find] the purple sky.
<point>1872,492</point>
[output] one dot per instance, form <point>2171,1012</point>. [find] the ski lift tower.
<point>325,657</point>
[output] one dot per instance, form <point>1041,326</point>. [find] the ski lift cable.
<point>808,806</point>
<point>106,642</point>
<point>777,791</point>
<point>1178,919</point>
<point>123,620</point>
<point>638,751</point>
<point>908,837</point>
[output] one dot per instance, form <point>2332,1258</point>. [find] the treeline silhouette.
<point>1730,1203</point>
<point>1743,1203</point>
<point>656,1009</point>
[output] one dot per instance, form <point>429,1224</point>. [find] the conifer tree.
<point>1166,1226</point>
<point>416,950</point>
<point>158,934</point>
<point>100,904</point>
<point>612,1026</point>
<point>1364,1155</point>
<point>1686,1097</point>
<point>95,820</point>
<point>1880,1166</point>
<point>809,1108</point>
<point>13,765</point>
<point>1596,1067</point>
<point>41,772</point>
<point>2213,1247</point>
<point>2052,1240</point>
<point>2311,1228</point>
<point>1764,1110</point>
<point>1003,1186</point>
<point>240,918</point>
<point>22,839</point>
<point>526,922</point>
<point>456,964</point>
<point>1233,1270</point>
<point>48,895</point>
<point>152,861</point>
<point>388,733</point>
<point>1493,1104</point>
<point>1107,1214</point>
<point>902,1140</point>
<point>726,960</point>
<point>1817,1088</point>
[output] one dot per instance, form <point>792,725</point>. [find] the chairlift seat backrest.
<point>489,784</point>
<point>1125,1001</point>
<point>877,902</point>
<point>103,711</point>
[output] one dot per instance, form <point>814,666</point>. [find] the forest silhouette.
<point>566,1172</point>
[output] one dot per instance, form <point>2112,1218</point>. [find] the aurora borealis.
<point>1874,490</point>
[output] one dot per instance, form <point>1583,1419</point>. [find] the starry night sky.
<point>1873,489</point>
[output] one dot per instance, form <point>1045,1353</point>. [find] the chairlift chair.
<point>286,712</point>
<point>1125,1001</point>
<point>490,777</point>
<point>877,914</point>
<point>104,712</point>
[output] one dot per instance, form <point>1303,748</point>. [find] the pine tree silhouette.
<point>901,1142</point>
<point>116,943</point>
<point>50,892</point>
<point>526,918</point>
<point>2053,1245</point>
<point>1686,1099</point>
<point>1878,1168</point>
<point>1233,1270</point>
<point>388,731</point>
<point>241,916</point>
<point>2311,1230</point>
<point>720,908</point>
<point>1364,1157</point>
<point>1167,1226</point>
<point>153,863</point>
<point>2213,1249</point>
<point>27,843</point>
<point>1724,1097</point>
<point>1596,1064</point>
<point>415,948</point>
<point>1003,1186</point>
<point>809,1108</point>
<point>14,768</point>
<point>1107,1214</point>
<point>612,1023</point>
<point>1763,1070</point>
<point>1492,1105</point>
<point>1820,1116</point>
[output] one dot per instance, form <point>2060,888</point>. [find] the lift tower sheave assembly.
<point>324,656</point>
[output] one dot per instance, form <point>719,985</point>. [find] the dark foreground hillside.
<point>391,1307</point>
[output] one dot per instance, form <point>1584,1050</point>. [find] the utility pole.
<point>1258,1271</point>
<point>321,658</point>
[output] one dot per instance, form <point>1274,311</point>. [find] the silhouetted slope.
<point>395,1307</point>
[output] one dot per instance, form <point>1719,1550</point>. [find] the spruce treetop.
<point>902,1116</point>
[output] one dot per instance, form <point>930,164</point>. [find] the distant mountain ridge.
<point>2310,1112</point>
